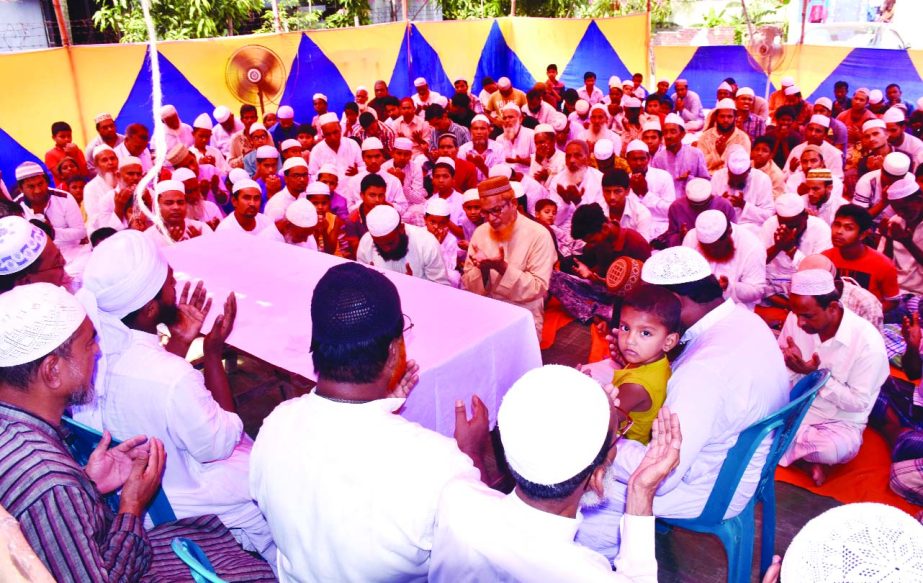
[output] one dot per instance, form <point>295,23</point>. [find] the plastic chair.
<point>199,566</point>
<point>737,533</point>
<point>84,440</point>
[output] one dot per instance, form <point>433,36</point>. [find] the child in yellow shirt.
<point>648,329</point>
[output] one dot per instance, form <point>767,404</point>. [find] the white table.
<point>464,343</point>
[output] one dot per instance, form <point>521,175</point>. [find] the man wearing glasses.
<point>510,257</point>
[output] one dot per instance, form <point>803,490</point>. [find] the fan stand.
<point>255,76</point>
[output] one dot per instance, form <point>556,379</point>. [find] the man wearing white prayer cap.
<point>560,435</point>
<point>803,109</point>
<point>246,197</point>
<point>287,128</point>
<point>724,91</point>
<point>410,176</point>
<point>871,188</point>
<point>748,190</point>
<point>517,142</point>
<point>437,220</point>
<point>333,149</point>
<point>143,387</point>
<point>373,159</point>
<point>682,161</point>
<point>653,186</point>
<point>295,171</point>
<point>259,137</point>
<point>290,148</point>
<point>597,128</point>
<point>50,205</point>
<point>300,223</point>
<point>227,126</point>
<point>875,145</point>
<point>734,253</point>
<point>682,214</point>
<point>95,199</point>
<point>482,150</point>
<point>789,236</point>
<point>749,121</point>
<point>28,255</point>
<point>815,134</point>
<point>319,100</point>
<point>576,184</point>
<point>723,132</point>
<point>688,105</point>
<point>819,333</point>
<point>206,153</point>
<point>905,233</point>
<point>505,94</point>
<point>395,246</point>
<point>651,134</point>
<point>106,133</point>
<point>197,207</point>
<point>720,336</point>
<point>177,132</point>
<point>423,96</point>
<point>895,125</point>
<point>171,204</point>
<point>547,160</point>
<point>604,154</point>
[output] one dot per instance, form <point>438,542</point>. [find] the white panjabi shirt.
<point>746,270</point>
<point>423,258</point>
<point>265,227</point>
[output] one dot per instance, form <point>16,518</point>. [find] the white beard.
<point>572,178</point>
<point>511,133</point>
<point>590,498</point>
<point>110,178</point>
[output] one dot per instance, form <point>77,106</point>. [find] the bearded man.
<point>516,141</point>
<point>408,249</point>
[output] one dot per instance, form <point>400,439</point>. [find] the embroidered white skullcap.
<point>285,112</point>
<point>725,86</point>
<point>554,422</point>
<point>478,118</point>
<point>221,114</point>
<point>824,102</point>
<point>511,106</point>
<point>237,174</point>
<point>787,82</point>
<point>582,106</point>
<point>863,541</point>
<point>317,189</point>
<point>896,164</point>
<point>738,161</point>
<point>746,91</point>
<point>203,122</point>
<point>821,120</point>
<point>726,103</point>
<point>631,102</point>
<point>36,319</point>
<point>328,168</point>
<point>129,161</point>
<point>600,107</point>
<point>445,160</point>
<point>169,186</point>
<point>894,115</point>
<point>651,125</point>
<point>812,282</point>
<point>100,149</point>
<point>470,195</point>
<point>372,143</point>
<point>266,152</point>
<point>328,118</point>
<point>382,220</point>
<point>615,81</point>
<point>258,127</point>
<point>698,189</point>
<point>320,96</point>
<point>289,143</point>
<point>301,213</point>
<point>675,119</point>
<point>101,117</point>
<point>167,111</point>
<point>675,265</point>
<point>245,183</point>
<point>873,124</point>
<point>504,170</point>
<point>903,187</point>
<point>419,82</point>
<point>181,175</point>
<point>403,144</point>
<point>543,128</point>
<point>710,226</point>
<point>789,205</point>
<point>294,162</point>
<point>636,146</point>
<point>438,207</point>
<point>792,90</point>
<point>558,121</point>
<point>875,96</point>
<point>603,149</point>
<point>21,243</point>
<point>504,83</point>
<point>817,261</point>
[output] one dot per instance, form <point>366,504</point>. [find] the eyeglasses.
<point>408,323</point>
<point>495,212</point>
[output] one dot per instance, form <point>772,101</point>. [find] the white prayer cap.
<point>543,128</point>
<point>327,118</point>
<point>554,422</point>
<point>100,149</point>
<point>36,319</point>
<point>651,125</point>
<point>328,168</point>
<point>404,143</point>
<point>504,170</point>
<point>504,83</point>
<point>101,117</point>
<point>237,174</point>
<point>169,186</point>
<point>627,83</point>
<point>479,117</point>
<point>470,195</point>
<point>419,82</point>
<point>558,121</point>
<point>792,90</point>
<point>894,115</point>
<point>372,143</point>
<point>600,107</point>
<point>631,102</point>
<point>129,161</point>
<point>582,106</point>
<point>28,170</point>
<point>726,103</point>
<point>681,82</point>
<point>698,189</point>
<point>746,91</point>
<point>636,146</point>
<point>320,96</point>
<point>675,265</point>
<point>294,162</point>
<point>382,220</point>
<point>265,152</point>
<point>725,86</point>
<point>182,175</point>
<point>896,164</point>
<point>738,161</point>
<point>518,189</point>
<point>445,160</point>
<point>221,114</point>
<point>21,243</point>
<point>875,96</point>
<point>438,207</point>
<point>317,189</point>
<point>817,261</point>
<point>289,143</point>
<point>603,149</point>
<point>824,102</point>
<point>862,541</point>
<point>203,122</point>
<point>710,226</point>
<point>903,187</point>
<point>787,82</point>
<point>244,184</point>
<point>511,107</point>
<point>615,81</point>
<point>285,112</point>
<point>258,127</point>
<point>167,111</point>
<point>821,120</point>
<point>873,124</point>
<point>812,282</point>
<point>789,205</point>
<point>675,119</point>
<point>301,213</point>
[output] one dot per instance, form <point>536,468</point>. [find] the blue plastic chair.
<point>84,440</point>
<point>199,566</point>
<point>737,533</point>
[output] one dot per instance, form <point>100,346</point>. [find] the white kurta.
<point>414,192</point>
<point>146,163</point>
<point>482,535</point>
<point>827,210</point>
<point>220,163</point>
<point>606,134</point>
<point>544,114</point>
<point>797,178</point>
<point>154,234</point>
<point>183,136</point>
<point>350,491</point>
<point>759,203</point>
<point>833,158</point>
<point>591,183</point>
<point>779,271</point>
<point>449,248</point>
<point>265,227</point>
<point>221,139</point>
<point>348,154</point>
<point>394,190</point>
<point>522,146</point>
<point>63,213</point>
<point>909,270</point>
<point>279,202</point>
<point>493,155</point>
<point>660,195</point>
<point>636,216</point>
<point>424,256</point>
<point>553,165</point>
<point>745,271</point>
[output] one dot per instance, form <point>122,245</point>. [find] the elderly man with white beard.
<point>599,129</point>
<point>516,142</point>
<point>94,193</point>
<point>577,184</point>
<point>114,208</point>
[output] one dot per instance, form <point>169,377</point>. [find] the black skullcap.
<point>353,303</point>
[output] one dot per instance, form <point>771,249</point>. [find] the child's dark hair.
<point>545,202</point>
<point>657,301</point>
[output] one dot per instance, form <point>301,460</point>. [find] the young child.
<point>546,210</point>
<point>74,185</point>
<point>437,220</point>
<point>648,329</point>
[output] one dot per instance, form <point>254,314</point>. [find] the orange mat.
<point>555,319</point>
<point>864,479</point>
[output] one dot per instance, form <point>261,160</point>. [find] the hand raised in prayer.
<point>207,160</point>
<point>795,361</point>
<point>582,270</point>
<point>910,330</point>
<point>191,312</point>
<point>408,380</point>
<point>352,170</point>
<point>397,173</point>
<point>899,233</point>
<point>638,183</point>
<point>721,143</point>
<point>176,231</point>
<point>611,390</point>
<point>802,188</point>
<point>472,435</point>
<point>541,175</point>
<point>874,162</point>
<point>221,329</point>
<point>793,164</point>
<point>570,194</point>
<point>143,480</point>
<point>273,184</point>
<point>735,198</point>
<point>784,238</point>
<point>109,468</point>
<point>417,137</point>
<point>661,458</point>
<point>213,223</point>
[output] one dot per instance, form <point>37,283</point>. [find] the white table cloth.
<point>464,343</point>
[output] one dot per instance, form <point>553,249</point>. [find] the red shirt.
<point>466,175</point>
<point>873,271</point>
<point>54,156</point>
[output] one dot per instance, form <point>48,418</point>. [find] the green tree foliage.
<point>290,18</point>
<point>175,19</point>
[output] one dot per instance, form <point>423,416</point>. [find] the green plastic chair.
<point>737,534</point>
<point>199,566</point>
